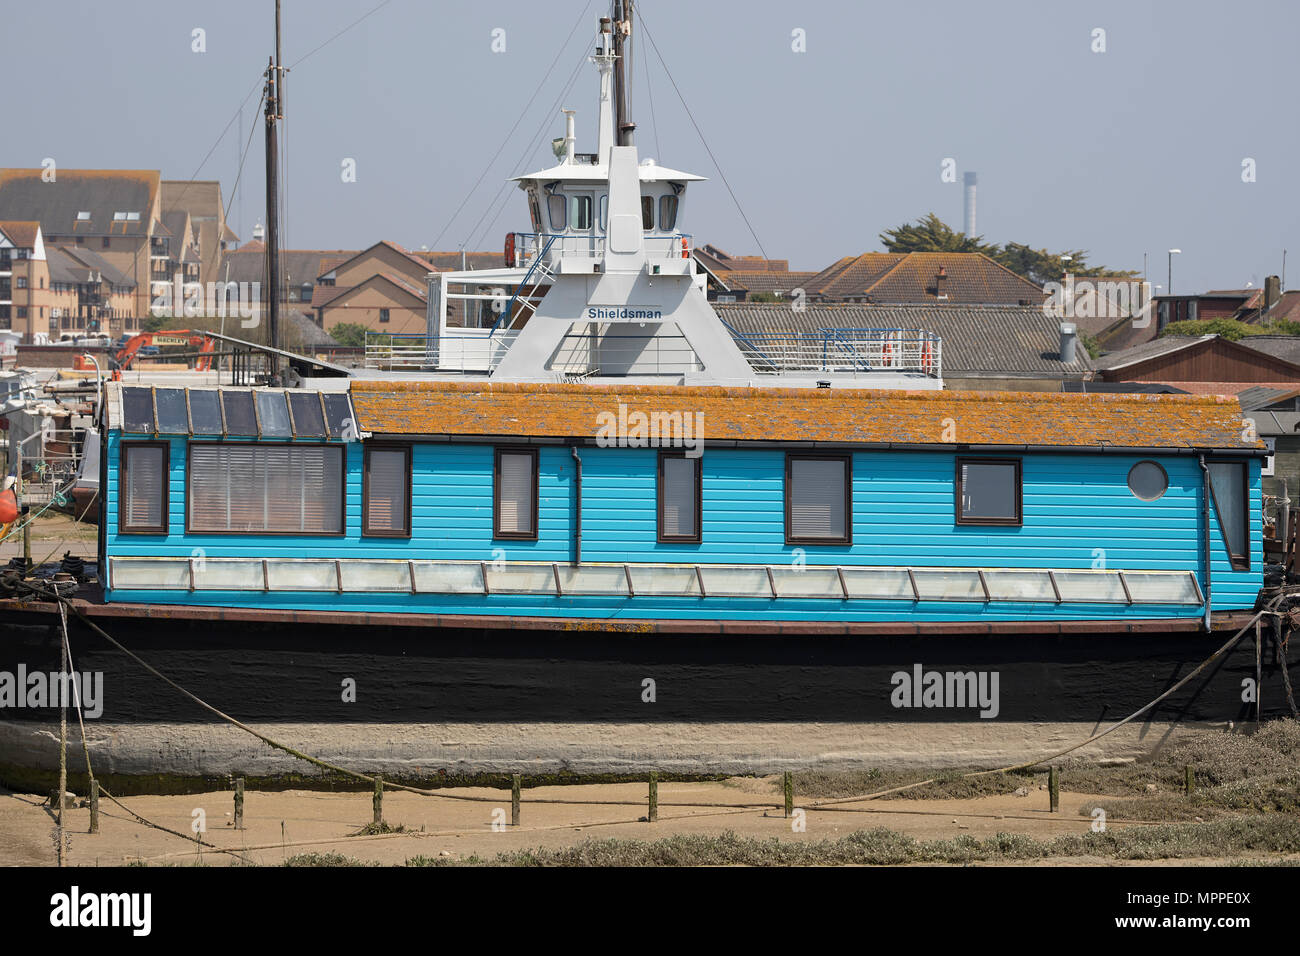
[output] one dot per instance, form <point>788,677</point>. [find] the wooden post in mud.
<point>1259,666</point>
<point>515,784</point>
<point>789,793</point>
<point>1054,788</point>
<point>653,814</point>
<point>379,800</point>
<point>1189,780</point>
<point>239,803</point>
<point>94,805</point>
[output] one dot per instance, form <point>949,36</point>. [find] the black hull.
<point>273,673</point>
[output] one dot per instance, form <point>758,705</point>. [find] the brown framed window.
<point>989,491</point>
<point>1230,491</point>
<point>818,499</point>
<point>264,488</point>
<point>142,488</point>
<point>679,497</point>
<point>647,213</point>
<point>386,492</point>
<point>514,494</point>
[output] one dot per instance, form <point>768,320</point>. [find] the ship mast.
<point>274,115</point>
<point>623,125</point>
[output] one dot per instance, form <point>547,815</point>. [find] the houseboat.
<point>583,524</point>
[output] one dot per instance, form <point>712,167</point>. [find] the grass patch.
<point>1256,772</point>
<point>379,829</point>
<point>324,859</point>
<point>882,847</point>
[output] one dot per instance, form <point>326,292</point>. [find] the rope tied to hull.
<point>52,594</point>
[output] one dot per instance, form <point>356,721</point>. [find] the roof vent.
<point>1069,342</point>
<point>823,383</point>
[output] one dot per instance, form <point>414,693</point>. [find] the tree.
<point>932,234</point>
<point>352,334</point>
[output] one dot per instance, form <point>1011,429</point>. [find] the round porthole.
<point>1148,480</point>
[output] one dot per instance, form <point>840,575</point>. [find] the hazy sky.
<point>1135,149</point>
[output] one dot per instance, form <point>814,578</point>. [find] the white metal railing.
<point>851,351</point>
<point>460,351</point>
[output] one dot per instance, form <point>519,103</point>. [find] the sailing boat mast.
<point>623,126</point>
<point>274,114</point>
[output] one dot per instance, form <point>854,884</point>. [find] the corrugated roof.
<point>1138,353</point>
<point>851,416</point>
<point>976,339</point>
<point>1262,396</point>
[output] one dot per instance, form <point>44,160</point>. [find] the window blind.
<point>1228,481</point>
<point>679,519</point>
<point>259,488</point>
<point>817,498</point>
<point>516,494</point>
<point>142,504</point>
<point>386,490</point>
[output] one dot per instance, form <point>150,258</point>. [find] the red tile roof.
<point>970,278</point>
<point>807,415</point>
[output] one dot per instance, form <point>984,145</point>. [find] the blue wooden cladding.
<point>1078,513</point>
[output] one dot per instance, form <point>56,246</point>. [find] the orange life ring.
<point>8,507</point>
<point>885,354</point>
<point>685,254</point>
<point>927,358</point>
<point>510,250</point>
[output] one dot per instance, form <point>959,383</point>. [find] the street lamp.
<point>1172,253</point>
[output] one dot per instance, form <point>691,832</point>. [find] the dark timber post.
<point>274,82</point>
<point>1054,788</point>
<point>515,783</point>
<point>1259,666</point>
<point>379,800</point>
<point>1189,780</point>
<point>94,805</point>
<point>789,793</point>
<point>653,814</point>
<point>239,803</point>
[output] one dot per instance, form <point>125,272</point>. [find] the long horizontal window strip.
<point>849,584</point>
<point>264,413</point>
<point>270,489</point>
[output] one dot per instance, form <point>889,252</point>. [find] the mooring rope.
<point>326,765</point>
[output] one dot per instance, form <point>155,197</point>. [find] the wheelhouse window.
<point>514,494</point>
<point>1229,489</point>
<point>988,491</point>
<point>386,492</point>
<point>247,488</point>
<point>142,508</point>
<point>555,207</point>
<point>647,213</point>
<point>580,212</point>
<point>667,213</point>
<point>817,499</point>
<point>679,498</point>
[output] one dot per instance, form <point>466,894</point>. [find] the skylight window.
<point>83,217</point>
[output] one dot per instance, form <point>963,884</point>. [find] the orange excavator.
<point>205,343</point>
